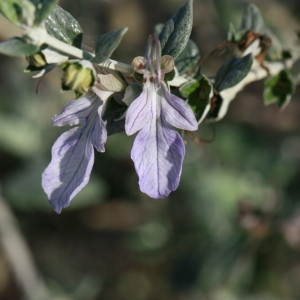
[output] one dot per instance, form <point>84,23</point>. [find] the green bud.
<point>78,76</point>
<point>36,61</point>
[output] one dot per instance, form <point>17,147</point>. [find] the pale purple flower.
<point>158,149</point>
<point>73,154</point>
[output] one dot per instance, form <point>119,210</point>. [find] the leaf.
<point>252,19</point>
<point>233,71</point>
<point>12,10</point>
<point>113,117</point>
<point>176,32</point>
<point>107,44</point>
<point>188,58</point>
<point>198,94</point>
<point>43,10</point>
<point>279,89</point>
<point>17,47</point>
<point>61,25</point>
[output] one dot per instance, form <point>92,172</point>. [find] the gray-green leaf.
<point>43,10</point>
<point>12,10</point>
<point>61,25</point>
<point>17,47</point>
<point>188,58</point>
<point>233,71</point>
<point>107,44</point>
<point>176,32</point>
<point>279,89</point>
<point>252,19</point>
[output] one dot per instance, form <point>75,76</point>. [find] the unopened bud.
<point>78,76</point>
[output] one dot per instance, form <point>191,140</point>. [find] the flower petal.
<point>176,111</point>
<point>140,111</point>
<point>76,111</point>
<point>70,167</point>
<point>158,153</point>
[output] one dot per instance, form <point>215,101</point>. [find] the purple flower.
<point>158,149</point>
<point>73,154</point>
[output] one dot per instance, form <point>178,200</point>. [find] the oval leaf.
<point>252,19</point>
<point>176,32</point>
<point>17,47</point>
<point>233,71</point>
<point>107,44</point>
<point>61,25</point>
<point>12,10</point>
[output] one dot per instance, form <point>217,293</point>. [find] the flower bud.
<point>78,76</point>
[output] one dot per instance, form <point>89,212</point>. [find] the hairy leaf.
<point>233,71</point>
<point>176,32</point>
<point>107,44</point>
<point>64,27</point>
<point>252,19</point>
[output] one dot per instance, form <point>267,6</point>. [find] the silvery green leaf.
<point>107,44</point>
<point>252,19</point>
<point>233,71</point>
<point>17,47</point>
<point>176,32</point>
<point>12,10</point>
<point>198,94</point>
<point>279,89</point>
<point>188,58</point>
<point>61,25</point>
<point>43,10</point>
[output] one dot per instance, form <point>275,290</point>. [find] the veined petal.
<point>176,111</point>
<point>158,153</point>
<point>139,112</point>
<point>76,111</point>
<point>70,167</point>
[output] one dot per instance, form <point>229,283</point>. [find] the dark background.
<point>230,231</point>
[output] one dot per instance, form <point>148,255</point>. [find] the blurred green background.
<point>230,231</point>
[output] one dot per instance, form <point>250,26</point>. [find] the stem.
<point>78,53</point>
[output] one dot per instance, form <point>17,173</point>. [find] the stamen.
<point>151,58</point>
<point>158,56</point>
<point>146,57</point>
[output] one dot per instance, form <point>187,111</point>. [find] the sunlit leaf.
<point>12,10</point>
<point>61,25</point>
